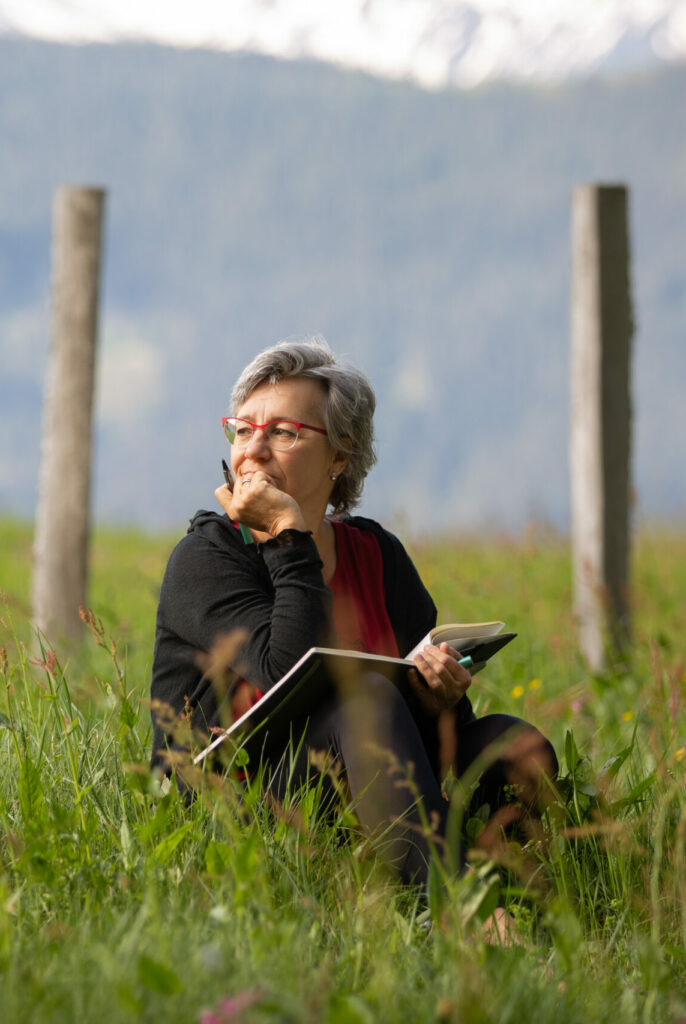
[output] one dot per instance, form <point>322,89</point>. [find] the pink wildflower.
<point>230,1010</point>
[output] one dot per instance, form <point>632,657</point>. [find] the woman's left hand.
<point>439,681</point>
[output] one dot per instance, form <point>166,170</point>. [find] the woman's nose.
<point>257,446</point>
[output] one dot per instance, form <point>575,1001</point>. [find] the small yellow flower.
<point>627,716</point>
<point>535,684</point>
<point>517,691</point>
<point>680,754</point>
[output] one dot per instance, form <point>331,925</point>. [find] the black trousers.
<point>389,749</point>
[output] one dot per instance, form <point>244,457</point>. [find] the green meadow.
<point>121,902</point>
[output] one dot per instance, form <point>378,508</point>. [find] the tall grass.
<point>121,901</point>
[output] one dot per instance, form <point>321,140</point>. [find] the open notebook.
<point>321,668</point>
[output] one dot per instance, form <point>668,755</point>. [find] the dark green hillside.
<point>425,234</point>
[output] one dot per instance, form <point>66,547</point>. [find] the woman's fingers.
<point>440,665</point>
<point>443,680</point>
<point>257,502</point>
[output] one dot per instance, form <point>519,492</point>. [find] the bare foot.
<point>500,929</point>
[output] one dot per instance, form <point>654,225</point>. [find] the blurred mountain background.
<point>424,232</point>
<point>435,43</point>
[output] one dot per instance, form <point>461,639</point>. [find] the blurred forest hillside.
<point>425,234</point>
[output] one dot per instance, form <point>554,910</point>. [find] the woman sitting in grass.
<point>293,577</point>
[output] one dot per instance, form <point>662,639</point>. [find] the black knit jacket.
<point>215,584</point>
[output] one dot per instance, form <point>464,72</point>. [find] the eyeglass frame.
<point>263,426</point>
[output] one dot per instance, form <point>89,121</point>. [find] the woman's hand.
<point>439,681</point>
<point>258,503</point>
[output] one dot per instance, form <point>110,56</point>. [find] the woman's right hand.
<point>439,680</point>
<point>258,503</point>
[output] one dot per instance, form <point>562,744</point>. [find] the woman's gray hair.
<point>348,406</point>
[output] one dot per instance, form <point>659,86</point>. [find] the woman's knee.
<point>513,753</point>
<point>530,764</point>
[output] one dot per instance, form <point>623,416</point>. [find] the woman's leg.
<point>370,729</point>
<point>513,761</point>
<point>388,755</point>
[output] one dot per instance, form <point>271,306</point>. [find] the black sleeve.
<point>215,585</point>
<point>282,603</point>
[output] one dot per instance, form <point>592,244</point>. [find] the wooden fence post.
<point>63,511</point>
<point>600,437</point>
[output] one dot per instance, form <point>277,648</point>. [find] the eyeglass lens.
<point>281,435</point>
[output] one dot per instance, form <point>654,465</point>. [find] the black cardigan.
<point>215,584</point>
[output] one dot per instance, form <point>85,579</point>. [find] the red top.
<point>359,605</point>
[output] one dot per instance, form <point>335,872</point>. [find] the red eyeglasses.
<point>279,434</point>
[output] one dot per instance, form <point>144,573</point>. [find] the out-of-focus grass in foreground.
<point>119,901</point>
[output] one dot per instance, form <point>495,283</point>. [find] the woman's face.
<point>303,471</point>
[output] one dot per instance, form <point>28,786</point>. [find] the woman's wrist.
<point>288,538</point>
<point>292,521</point>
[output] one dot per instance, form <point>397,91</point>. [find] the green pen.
<point>466,662</point>
<point>245,532</point>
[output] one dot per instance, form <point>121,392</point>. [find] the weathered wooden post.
<point>63,512</point>
<point>600,439</point>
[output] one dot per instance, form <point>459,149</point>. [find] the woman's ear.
<point>340,459</point>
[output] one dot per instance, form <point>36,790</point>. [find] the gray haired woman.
<point>297,576</point>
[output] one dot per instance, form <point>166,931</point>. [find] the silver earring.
<point>333,476</point>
